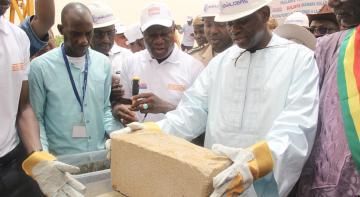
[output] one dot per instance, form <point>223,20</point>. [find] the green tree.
<point>58,40</point>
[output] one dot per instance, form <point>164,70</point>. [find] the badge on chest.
<point>79,131</point>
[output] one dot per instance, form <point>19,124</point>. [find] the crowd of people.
<point>281,101</point>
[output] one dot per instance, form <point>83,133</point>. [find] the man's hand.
<point>44,17</point>
<point>150,103</point>
<point>134,126</point>
<point>248,165</point>
<point>124,114</point>
<point>117,91</point>
<point>53,176</point>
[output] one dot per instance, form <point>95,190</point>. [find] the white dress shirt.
<point>271,94</point>
<point>118,56</point>
<point>168,80</point>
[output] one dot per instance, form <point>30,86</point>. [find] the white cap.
<point>297,18</point>
<point>231,10</point>
<point>133,33</point>
<point>120,28</point>
<point>102,15</point>
<point>211,8</point>
<point>297,34</point>
<point>189,18</point>
<point>156,14</point>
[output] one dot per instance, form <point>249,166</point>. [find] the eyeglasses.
<point>320,30</point>
<point>101,34</point>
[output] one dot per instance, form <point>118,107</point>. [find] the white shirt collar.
<point>275,40</point>
<point>114,50</point>
<point>77,62</point>
<point>171,59</point>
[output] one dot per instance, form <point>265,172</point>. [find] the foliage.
<point>58,40</point>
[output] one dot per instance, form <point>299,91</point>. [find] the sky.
<point>128,11</point>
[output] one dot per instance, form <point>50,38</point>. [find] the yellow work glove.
<point>248,165</point>
<point>53,176</point>
<point>134,126</point>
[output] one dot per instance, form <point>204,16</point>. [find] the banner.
<point>280,9</point>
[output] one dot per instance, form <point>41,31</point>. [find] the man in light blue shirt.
<point>70,89</point>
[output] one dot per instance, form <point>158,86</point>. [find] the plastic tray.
<point>96,182</point>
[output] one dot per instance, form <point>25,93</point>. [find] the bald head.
<point>77,28</point>
<point>75,11</point>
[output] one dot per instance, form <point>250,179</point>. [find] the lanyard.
<point>81,102</point>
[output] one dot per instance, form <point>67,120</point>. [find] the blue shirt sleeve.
<point>110,123</point>
<point>35,42</point>
<point>38,98</point>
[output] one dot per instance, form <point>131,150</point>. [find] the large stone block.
<point>148,164</point>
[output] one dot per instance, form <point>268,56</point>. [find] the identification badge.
<point>79,131</point>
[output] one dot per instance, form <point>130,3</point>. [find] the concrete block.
<point>148,164</point>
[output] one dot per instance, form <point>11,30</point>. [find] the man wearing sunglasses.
<point>333,169</point>
<point>324,22</point>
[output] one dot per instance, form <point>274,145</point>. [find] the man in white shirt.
<point>120,39</point>
<point>165,71</point>
<point>16,114</point>
<point>102,41</point>
<point>188,35</point>
<point>135,38</point>
<point>257,100</point>
<point>261,93</point>
<point>120,47</point>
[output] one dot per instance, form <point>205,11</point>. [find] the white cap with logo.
<point>156,14</point>
<point>133,33</point>
<point>102,15</point>
<point>120,28</point>
<point>211,9</point>
<point>297,18</point>
<point>231,10</point>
